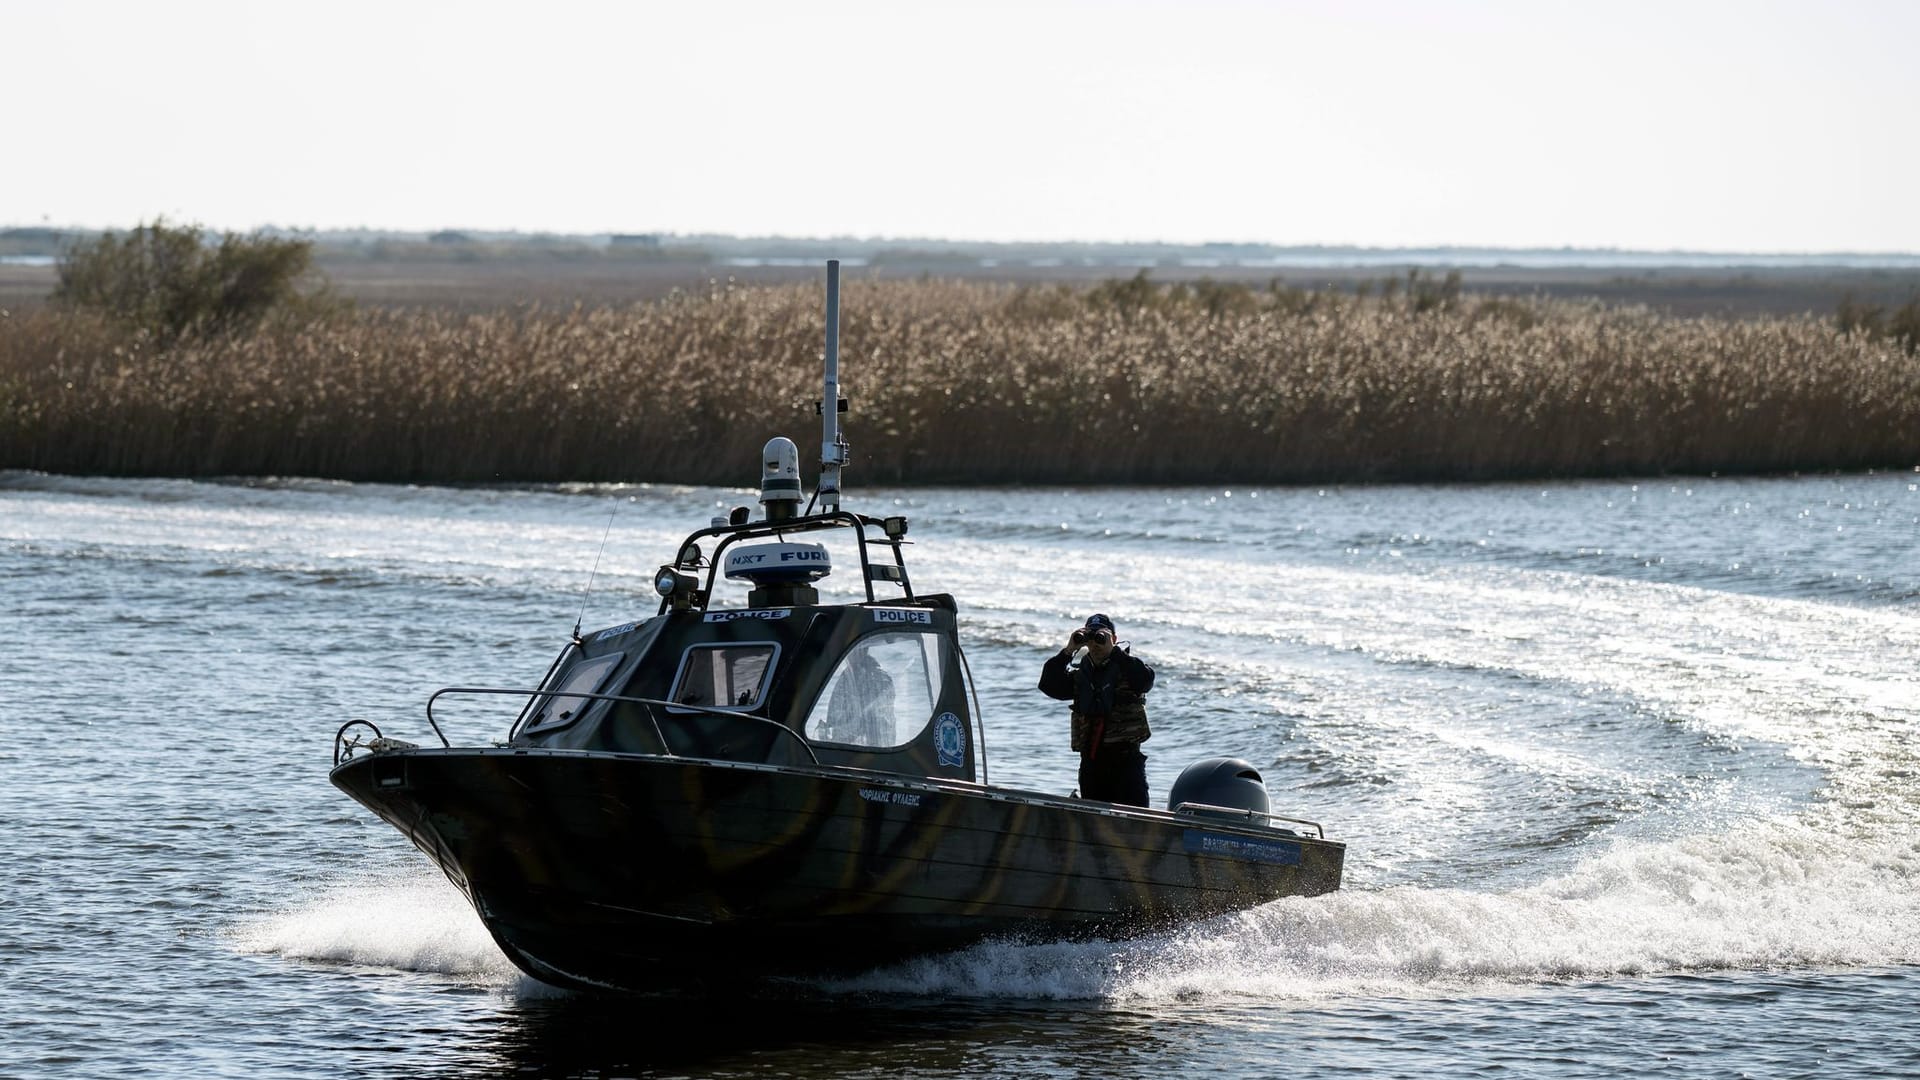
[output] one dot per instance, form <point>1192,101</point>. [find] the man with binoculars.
<point>1107,687</point>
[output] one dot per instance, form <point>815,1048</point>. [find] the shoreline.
<point>1128,383</point>
<point>17,479</point>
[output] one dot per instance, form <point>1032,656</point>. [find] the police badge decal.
<point>951,739</point>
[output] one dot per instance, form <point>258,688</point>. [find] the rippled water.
<point>1628,774</point>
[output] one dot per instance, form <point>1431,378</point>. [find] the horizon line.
<point>476,233</point>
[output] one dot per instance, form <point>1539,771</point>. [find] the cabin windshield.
<point>564,707</point>
<point>883,692</point>
<point>725,676</point>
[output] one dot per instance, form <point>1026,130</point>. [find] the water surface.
<point>1627,771</point>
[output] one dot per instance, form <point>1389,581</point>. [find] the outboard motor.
<point>1220,783</point>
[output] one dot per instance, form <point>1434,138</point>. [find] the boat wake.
<point>1713,689</point>
<point>1769,895</point>
<point>404,919</point>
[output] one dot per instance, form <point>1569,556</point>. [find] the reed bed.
<point>957,383</point>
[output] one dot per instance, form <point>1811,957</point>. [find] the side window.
<point>724,676</point>
<point>883,692</point>
<point>564,707</point>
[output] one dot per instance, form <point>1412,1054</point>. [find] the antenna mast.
<point>833,448</point>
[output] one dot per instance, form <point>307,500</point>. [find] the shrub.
<point>167,280</point>
<point>1873,322</point>
<point>1853,316</point>
<point>1904,325</point>
<point>1426,294</point>
<point>1129,297</point>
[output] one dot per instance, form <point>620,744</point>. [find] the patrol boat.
<point>789,785</point>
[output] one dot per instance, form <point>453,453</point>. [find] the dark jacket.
<point>1109,695</point>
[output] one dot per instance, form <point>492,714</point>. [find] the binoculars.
<point>1098,636</point>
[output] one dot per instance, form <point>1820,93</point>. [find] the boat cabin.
<point>785,680</point>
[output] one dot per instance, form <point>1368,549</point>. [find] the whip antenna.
<point>591,574</point>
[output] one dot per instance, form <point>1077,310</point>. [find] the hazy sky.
<point>1738,126</point>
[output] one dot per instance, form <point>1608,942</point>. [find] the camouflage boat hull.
<point>626,871</point>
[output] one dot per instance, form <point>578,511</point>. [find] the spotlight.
<point>673,586</point>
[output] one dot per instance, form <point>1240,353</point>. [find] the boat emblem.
<point>614,631</point>
<point>951,739</point>
<point>901,615</point>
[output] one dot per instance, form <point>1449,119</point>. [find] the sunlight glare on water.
<point>1627,753</point>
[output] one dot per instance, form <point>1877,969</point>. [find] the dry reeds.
<point>967,383</point>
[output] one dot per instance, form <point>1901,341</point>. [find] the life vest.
<point>1126,720</point>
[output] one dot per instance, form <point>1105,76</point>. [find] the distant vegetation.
<point>166,280</point>
<point>1874,321</point>
<point>1126,381</point>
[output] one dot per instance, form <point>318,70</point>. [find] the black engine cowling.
<point>1230,783</point>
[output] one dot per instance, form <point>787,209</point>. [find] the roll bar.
<point>835,519</point>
